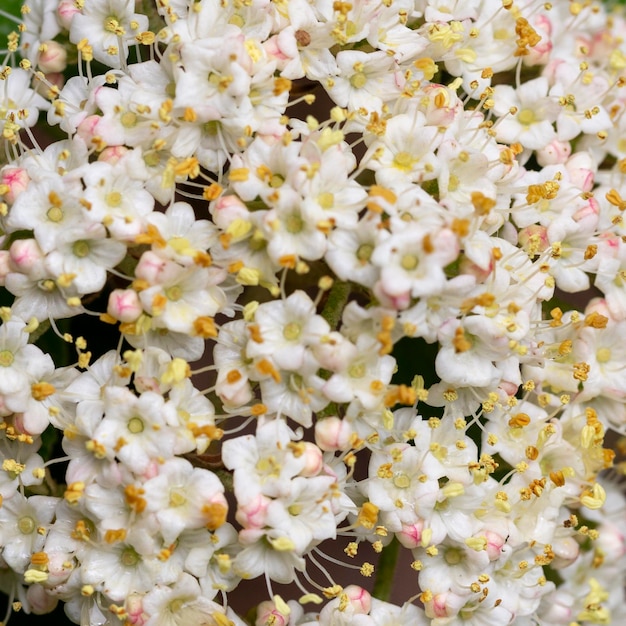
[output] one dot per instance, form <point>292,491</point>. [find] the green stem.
<point>385,571</point>
<point>335,303</point>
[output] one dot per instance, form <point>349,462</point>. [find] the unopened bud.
<point>124,305</point>
<point>52,57</point>
<point>333,433</point>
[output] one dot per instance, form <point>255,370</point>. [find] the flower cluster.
<point>338,247</point>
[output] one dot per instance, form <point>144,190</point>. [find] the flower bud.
<point>313,460</point>
<point>495,543</point>
<point>534,239</point>
<point>411,535</point>
<point>113,154</point>
<point>359,599</point>
<point>226,209</point>
<point>559,609</point>
<point>16,179</point>
<point>267,613</point>
<point>333,433</point>
<point>66,11</point>
<point>57,79</point>
<point>566,551</point>
<point>124,305</point>
<point>555,152</point>
<point>5,266</point>
<point>58,570</point>
<point>334,352</point>
<point>39,600</point>
<point>52,57</point>
<point>26,256</point>
<point>155,269</point>
<point>253,513</point>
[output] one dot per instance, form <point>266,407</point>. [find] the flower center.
<point>401,481</point>
<point>26,525</point>
<point>603,355</point>
<point>276,181</point>
<point>294,509</point>
<point>129,119</point>
<point>55,214</point>
<point>174,293</point>
<point>358,80</point>
<point>80,249</point>
<point>130,557</point>
<point>6,358</point>
<point>526,117</point>
<point>113,198</point>
<point>453,556</point>
<point>292,331</point>
<point>357,370</point>
<point>177,498</point>
<point>326,200</point>
<point>364,252</point>
<point>403,161</point>
<point>135,425</point>
<point>112,25</point>
<point>47,285</point>
<point>294,224</point>
<point>176,605</point>
<point>211,128</point>
<point>409,262</point>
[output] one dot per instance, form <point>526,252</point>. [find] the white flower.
<point>182,496</point>
<point>85,255</point>
<point>19,104</point>
<point>284,329</point>
<point>24,523</point>
<point>108,27</point>
<point>135,428</point>
<point>527,113</point>
<point>17,356</point>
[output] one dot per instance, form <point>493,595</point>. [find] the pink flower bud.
<point>25,256</point>
<point>60,567</point>
<point>66,11</point>
<point>253,514</point>
<point>534,239</point>
<point>359,598</point>
<point>334,352</point>
<point>555,152</point>
<point>134,609</point>
<point>87,129</point>
<point>154,269</point>
<point>113,154</point>
<point>559,609</point>
<point>56,78</point>
<point>226,209</point>
<point>612,542</point>
<point>411,535</point>
<point>5,266</point>
<point>16,179</point>
<point>267,613</point>
<point>52,57</point>
<point>581,169</point>
<point>333,433</point>
<point>437,607</point>
<point>313,460</point>
<point>39,600</point>
<point>124,305</point>
<point>495,543</point>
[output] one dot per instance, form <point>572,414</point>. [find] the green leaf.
<point>7,25</point>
